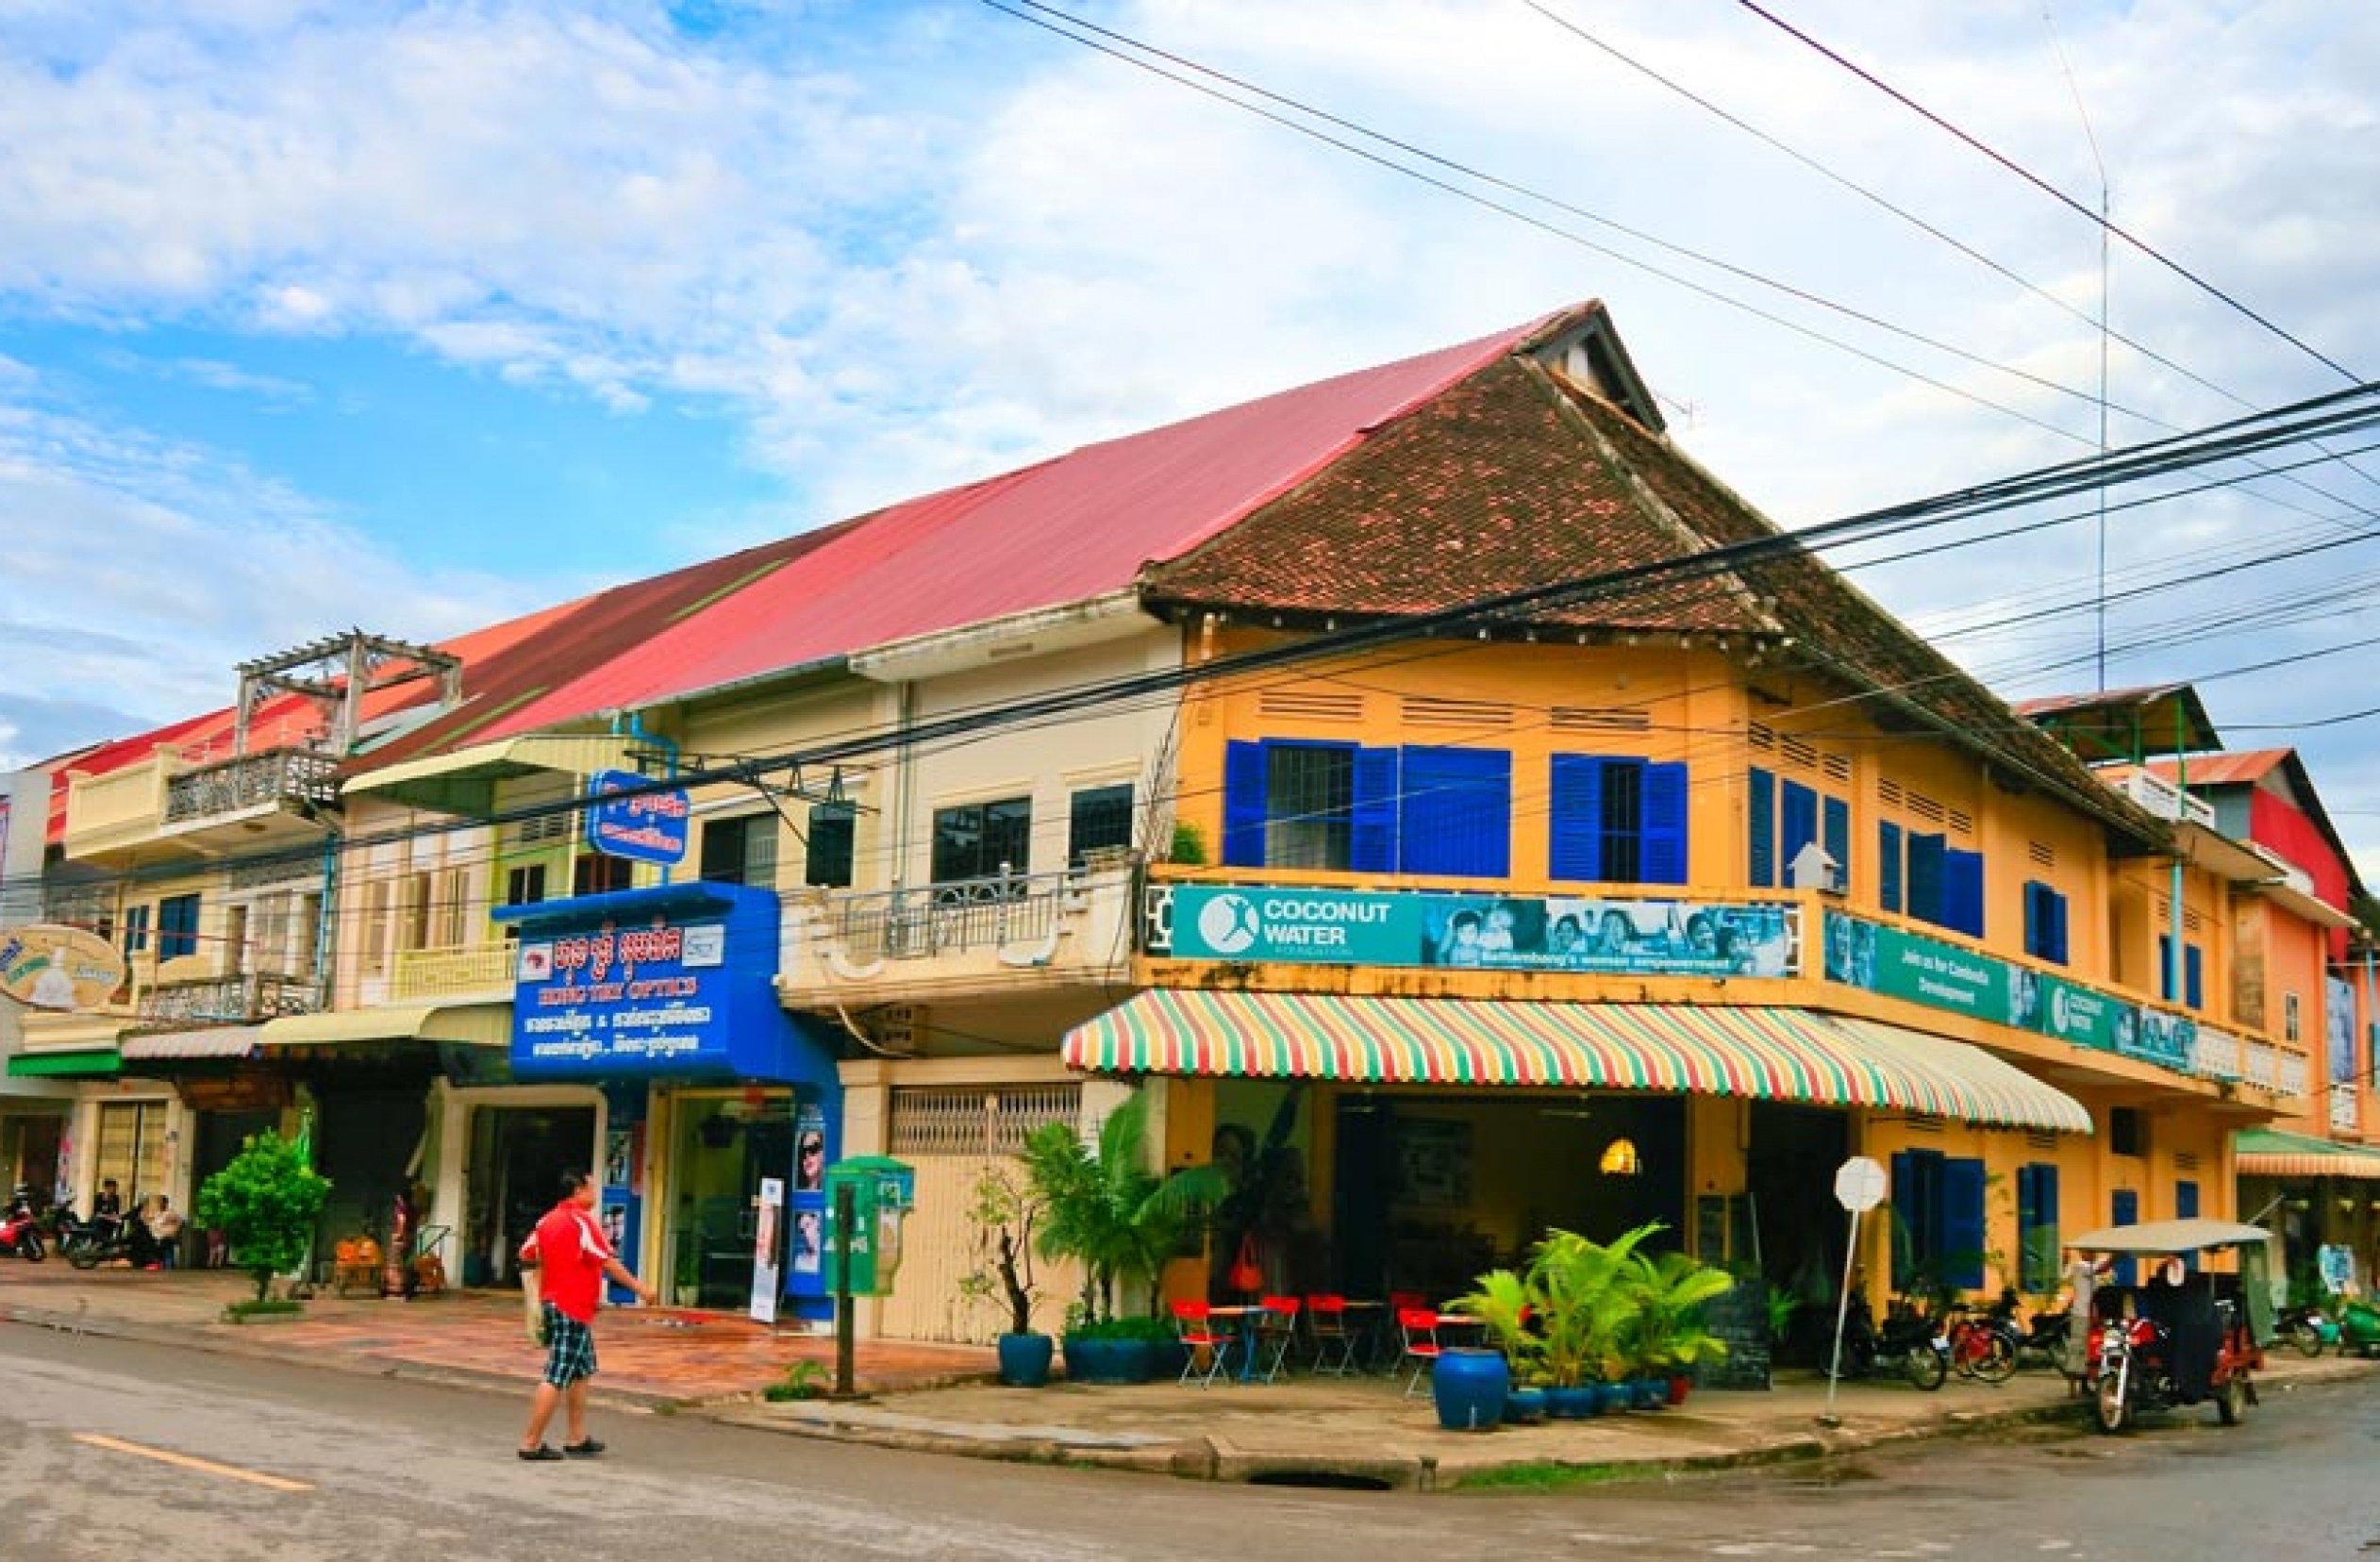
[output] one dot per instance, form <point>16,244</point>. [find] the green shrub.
<point>266,1203</point>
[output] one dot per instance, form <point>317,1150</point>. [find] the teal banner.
<point>1496,931</point>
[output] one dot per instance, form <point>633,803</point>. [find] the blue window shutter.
<point>2194,985</point>
<point>1762,792</point>
<point>1457,814</point>
<point>1372,844</point>
<point>1904,1190</point>
<point>1801,826</point>
<point>2185,1206</point>
<point>1963,892</point>
<point>2061,950</point>
<point>1925,877</point>
<point>1838,838</point>
<point>2032,938</point>
<point>1661,843</point>
<point>2165,966</point>
<point>2125,1209</point>
<point>1574,831</point>
<point>1889,866</point>
<point>1245,808</point>
<point>1963,1223</point>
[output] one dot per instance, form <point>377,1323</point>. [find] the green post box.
<point>879,1193</point>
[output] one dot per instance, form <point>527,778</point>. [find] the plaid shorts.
<point>570,1348</point>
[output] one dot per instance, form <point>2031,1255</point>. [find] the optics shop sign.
<point>625,821</point>
<point>1561,932</point>
<point>668,981</point>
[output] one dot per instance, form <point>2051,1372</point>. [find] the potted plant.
<point>1103,1207</point>
<point>1666,1330</point>
<point>1566,1314</point>
<point>1003,1211</point>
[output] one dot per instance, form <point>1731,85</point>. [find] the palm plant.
<point>1103,1206</point>
<point>1668,1331</point>
<point>1569,1314</point>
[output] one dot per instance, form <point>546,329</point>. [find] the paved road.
<point>111,1450</point>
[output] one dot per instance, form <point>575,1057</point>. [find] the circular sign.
<point>46,966</point>
<point>1859,1184</point>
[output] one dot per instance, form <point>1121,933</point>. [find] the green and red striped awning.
<point>1762,1053</point>
<point>2275,1152</point>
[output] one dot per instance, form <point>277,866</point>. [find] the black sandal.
<point>542,1453</point>
<point>587,1449</point>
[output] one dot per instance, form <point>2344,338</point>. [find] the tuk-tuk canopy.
<point>2185,1235</point>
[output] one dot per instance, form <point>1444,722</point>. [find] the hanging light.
<point>1620,1157</point>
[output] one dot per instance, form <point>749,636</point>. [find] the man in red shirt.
<point>568,1246</point>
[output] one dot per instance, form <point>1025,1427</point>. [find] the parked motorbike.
<point>1909,1343</point>
<point>21,1231</point>
<point>88,1244</point>
<point>2157,1346</point>
<point>2044,1334</point>
<point>2308,1328</point>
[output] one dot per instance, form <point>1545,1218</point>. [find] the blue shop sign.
<point>628,819</point>
<point>677,981</point>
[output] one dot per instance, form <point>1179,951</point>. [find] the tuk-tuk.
<point>2185,1336</point>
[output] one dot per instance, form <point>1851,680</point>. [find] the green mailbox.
<point>877,1191</point>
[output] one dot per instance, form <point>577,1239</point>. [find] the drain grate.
<point>1328,1480</point>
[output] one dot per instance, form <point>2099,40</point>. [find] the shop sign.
<point>628,820</point>
<point>1555,933</point>
<point>48,966</point>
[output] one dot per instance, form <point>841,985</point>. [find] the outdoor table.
<point>1369,1316</point>
<point>1243,1321</point>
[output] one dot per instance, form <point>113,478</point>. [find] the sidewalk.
<point>1353,1431</point>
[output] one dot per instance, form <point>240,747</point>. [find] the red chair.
<point>1418,1327</point>
<point>1326,1328</point>
<point>1196,1324</point>
<point>1272,1332</point>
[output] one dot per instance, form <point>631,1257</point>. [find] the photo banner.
<point>1563,933</point>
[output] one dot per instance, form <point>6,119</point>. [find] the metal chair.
<point>1418,1329</point>
<point>1326,1330</point>
<point>1271,1331</point>
<point>1194,1322</point>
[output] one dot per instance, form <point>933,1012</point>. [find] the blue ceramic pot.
<point>1576,1402</point>
<point>1524,1406</point>
<point>1468,1386</point>
<point>1649,1393</point>
<point>1025,1359</point>
<point>1611,1397</point>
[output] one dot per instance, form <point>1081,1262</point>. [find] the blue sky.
<point>411,317</point>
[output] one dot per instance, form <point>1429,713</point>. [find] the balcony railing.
<point>950,918</point>
<point>2345,1110</point>
<point>253,780</point>
<point>248,996</point>
<point>451,970</point>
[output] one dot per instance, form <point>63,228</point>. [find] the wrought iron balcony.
<point>251,781</point>
<point>944,918</point>
<point>948,938</point>
<point>244,997</point>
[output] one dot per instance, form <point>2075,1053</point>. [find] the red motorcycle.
<point>21,1231</point>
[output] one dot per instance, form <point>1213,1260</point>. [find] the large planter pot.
<point>1648,1393</point>
<point>1107,1361</point>
<point>1524,1406</point>
<point>1025,1359</point>
<point>1681,1384</point>
<point>1468,1386</point>
<point>1611,1398</point>
<point>1574,1402</point>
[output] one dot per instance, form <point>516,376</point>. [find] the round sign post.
<point>1860,1184</point>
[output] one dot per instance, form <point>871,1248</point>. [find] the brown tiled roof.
<point>1515,480</point>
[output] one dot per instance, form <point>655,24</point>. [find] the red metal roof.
<point>2221,769</point>
<point>1065,530</point>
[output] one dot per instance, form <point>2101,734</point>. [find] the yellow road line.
<point>204,1467</point>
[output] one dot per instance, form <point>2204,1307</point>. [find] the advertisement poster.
<point>767,1270</point>
<point>1567,932</point>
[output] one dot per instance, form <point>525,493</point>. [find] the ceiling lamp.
<point>1619,1158</point>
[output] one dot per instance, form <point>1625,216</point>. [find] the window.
<point>307,936</point>
<point>525,885</point>
<point>1455,815</point>
<point>135,929</point>
<point>1617,820</point>
<point>1783,818</point>
<point>1098,818</point>
<point>741,851</point>
<point>235,960</point>
<point>2045,923</point>
<point>1889,859</point>
<point>1292,804</point>
<point>2288,1017</point>
<point>413,911</point>
<point>1943,884</point>
<point>2037,1226</point>
<point>176,926</point>
<point>374,937</point>
<point>594,874</point>
<point>132,1148</point>
<point>1938,1236</point>
<point>2124,1207</point>
<point>451,919</point>
<point>2186,1207</point>
<point>981,839</point>
<point>2194,978</point>
<point>827,857</point>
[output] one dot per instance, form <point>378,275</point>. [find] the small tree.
<point>1002,1213</point>
<point>266,1202</point>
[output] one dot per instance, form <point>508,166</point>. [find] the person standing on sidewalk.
<point>569,1249</point>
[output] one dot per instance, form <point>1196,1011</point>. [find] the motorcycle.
<point>2310,1329</point>
<point>2044,1334</point>
<point>2355,1325</point>
<point>2154,1347</point>
<point>1909,1343</point>
<point>90,1243</point>
<point>21,1231</point>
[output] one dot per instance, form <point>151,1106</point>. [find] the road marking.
<point>204,1467</point>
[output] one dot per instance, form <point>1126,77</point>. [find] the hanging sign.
<point>626,820</point>
<point>47,966</point>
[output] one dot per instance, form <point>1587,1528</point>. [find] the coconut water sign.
<point>49,966</point>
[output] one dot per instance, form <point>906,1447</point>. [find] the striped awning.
<point>1762,1053</point>
<point>2271,1152</point>
<point>208,1041</point>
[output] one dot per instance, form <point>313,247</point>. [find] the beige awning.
<point>464,781</point>
<point>209,1041</point>
<point>472,1024</point>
